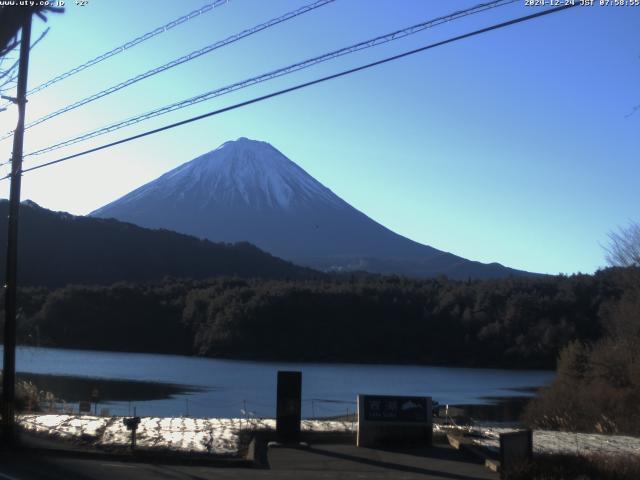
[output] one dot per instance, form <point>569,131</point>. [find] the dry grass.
<point>28,397</point>
<point>597,390</point>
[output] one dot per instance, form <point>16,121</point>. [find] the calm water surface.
<point>224,388</point>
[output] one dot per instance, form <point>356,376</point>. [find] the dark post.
<point>132,425</point>
<point>9,375</point>
<point>95,397</point>
<point>289,406</point>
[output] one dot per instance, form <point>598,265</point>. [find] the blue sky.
<point>514,146</point>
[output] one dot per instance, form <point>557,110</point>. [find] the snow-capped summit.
<point>247,190</point>
<point>244,171</point>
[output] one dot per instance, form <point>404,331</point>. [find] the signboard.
<point>396,409</point>
<point>131,423</point>
<point>289,406</point>
<point>394,419</point>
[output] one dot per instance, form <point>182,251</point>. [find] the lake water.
<point>169,385</point>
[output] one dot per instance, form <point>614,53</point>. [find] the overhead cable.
<point>178,61</point>
<point>131,43</point>
<point>301,86</point>
<point>273,74</point>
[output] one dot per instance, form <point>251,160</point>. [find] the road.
<point>318,462</point>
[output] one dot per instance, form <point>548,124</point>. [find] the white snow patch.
<point>218,436</point>
<point>555,442</point>
<point>221,436</point>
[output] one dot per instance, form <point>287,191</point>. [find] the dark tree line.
<point>512,322</point>
<point>515,322</point>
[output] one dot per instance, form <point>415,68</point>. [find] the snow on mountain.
<point>246,190</point>
<point>246,171</point>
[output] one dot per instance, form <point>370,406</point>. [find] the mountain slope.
<point>247,190</point>
<point>57,248</point>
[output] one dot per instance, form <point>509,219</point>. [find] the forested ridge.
<point>514,322</point>
<point>57,249</point>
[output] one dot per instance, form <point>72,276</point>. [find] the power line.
<point>303,85</point>
<point>274,74</point>
<point>127,45</point>
<point>131,43</point>
<point>178,61</point>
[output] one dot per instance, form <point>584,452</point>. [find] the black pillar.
<point>10,307</point>
<point>289,406</point>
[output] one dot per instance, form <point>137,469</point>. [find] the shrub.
<point>597,387</point>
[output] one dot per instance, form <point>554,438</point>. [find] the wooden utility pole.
<point>10,303</point>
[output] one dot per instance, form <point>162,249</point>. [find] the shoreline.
<point>174,386</point>
<point>273,360</point>
<point>67,391</point>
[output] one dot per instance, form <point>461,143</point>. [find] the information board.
<point>394,419</point>
<point>396,409</point>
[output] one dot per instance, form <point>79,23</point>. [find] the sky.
<point>517,146</point>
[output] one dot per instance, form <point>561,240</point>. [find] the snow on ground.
<point>546,441</point>
<point>554,442</point>
<point>219,436</point>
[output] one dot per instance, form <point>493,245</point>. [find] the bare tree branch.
<point>624,246</point>
<point>11,20</point>
<point>9,70</point>
<point>8,76</point>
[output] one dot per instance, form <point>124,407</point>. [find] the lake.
<point>169,385</point>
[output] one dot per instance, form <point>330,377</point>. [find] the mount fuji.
<point>246,190</point>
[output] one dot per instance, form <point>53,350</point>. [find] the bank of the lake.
<point>205,387</point>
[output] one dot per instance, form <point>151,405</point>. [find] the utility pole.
<point>10,304</point>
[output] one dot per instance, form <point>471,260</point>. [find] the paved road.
<point>317,462</point>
